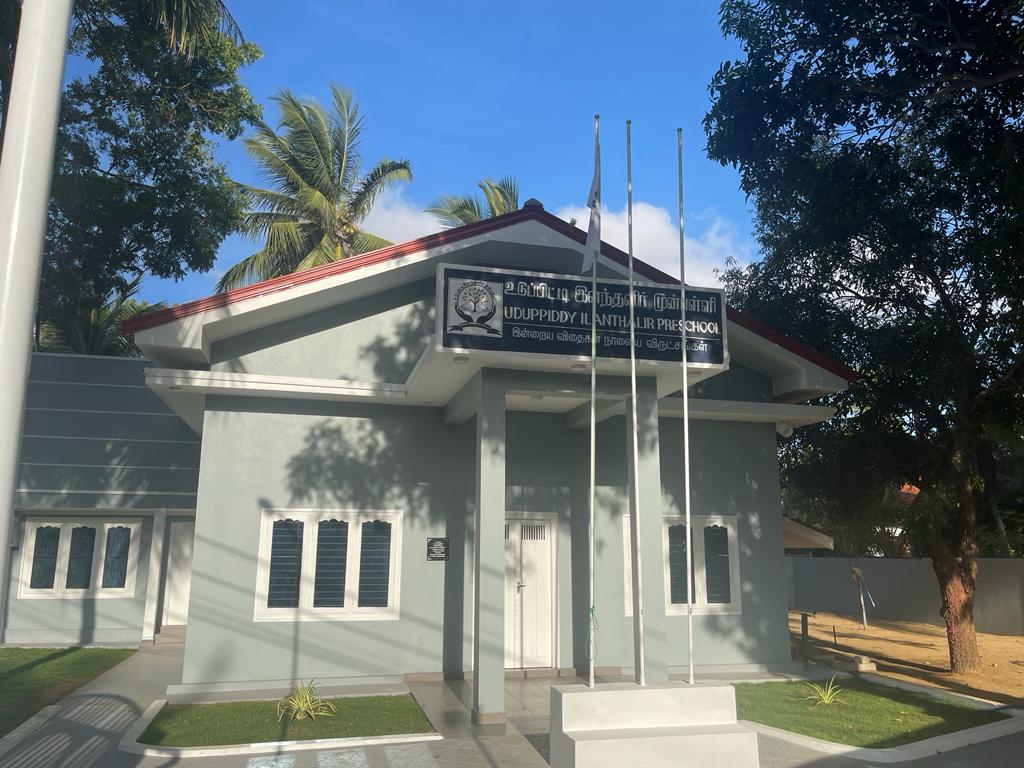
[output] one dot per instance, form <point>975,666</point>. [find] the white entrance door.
<point>529,593</point>
<point>178,576</point>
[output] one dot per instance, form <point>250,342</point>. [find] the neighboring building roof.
<point>798,535</point>
<point>535,213</point>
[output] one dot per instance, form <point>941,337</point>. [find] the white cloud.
<point>656,239</point>
<point>398,219</point>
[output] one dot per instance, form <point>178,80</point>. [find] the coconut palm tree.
<point>317,198</point>
<point>500,197</point>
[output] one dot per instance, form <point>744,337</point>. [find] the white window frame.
<point>700,603</point>
<point>310,519</point>
<point>66,525</point>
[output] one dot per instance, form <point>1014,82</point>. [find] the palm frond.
<point>306,202</point>
<point>456,210</point>
<point>346,128</point>
<point>282,171</point>
<point>384,174</point>
<point>284,250</point>
<point>187,21</point>
<point>492,197</point>
<point>327,251</point>
<point>307,134</point>
<point>261,265</point>
<point>364,242</point>
<point>499,197</point>
<point>508,188</point>
<point>271,201</point>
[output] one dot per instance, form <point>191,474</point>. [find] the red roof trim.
<point>276,284</point>
<point>284,282</point>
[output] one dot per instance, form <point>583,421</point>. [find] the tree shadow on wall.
<point>382,458</point>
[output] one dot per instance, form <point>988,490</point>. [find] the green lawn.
<point>245,722</point>
<point>33,678</point>
<point>872,715</point>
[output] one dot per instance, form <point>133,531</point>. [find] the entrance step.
<point>170,635</point>
<point>697,746</point>
<point>623,724</point>
<point>627,705</point>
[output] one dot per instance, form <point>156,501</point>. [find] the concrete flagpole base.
<point>623,724</point>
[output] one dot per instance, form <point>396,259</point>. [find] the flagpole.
<point>686,410</point>
<point>592,613</point>
<point>638,598</point>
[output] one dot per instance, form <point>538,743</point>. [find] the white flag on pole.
<point>593,247</point>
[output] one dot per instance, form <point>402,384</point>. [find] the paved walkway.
<point>85,731</point>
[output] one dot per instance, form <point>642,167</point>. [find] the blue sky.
<point>472,89</point>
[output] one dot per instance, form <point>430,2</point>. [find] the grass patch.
<point>33,678</point>
<point>872,716</point>
<point>245,722</point>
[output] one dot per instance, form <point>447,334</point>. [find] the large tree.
<point>311,213</point>
<point>152,85</point>
<point>882,145</point>
<point>183,23</point>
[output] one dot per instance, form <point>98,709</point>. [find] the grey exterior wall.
<point>96,437</point>
<point>99,443</point>
<point>278,454</point>
<point>907,590</point>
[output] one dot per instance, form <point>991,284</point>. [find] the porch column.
<point>489,547</point>
<point>645,532</point>
<point>156,575</point>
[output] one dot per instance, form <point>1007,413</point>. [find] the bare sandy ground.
<point>918,653</point>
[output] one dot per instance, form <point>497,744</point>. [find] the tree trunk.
<point>957,589</point>
<point>955,560</point>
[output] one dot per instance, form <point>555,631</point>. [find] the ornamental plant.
<point>304,702</point>
<point>824,694</point>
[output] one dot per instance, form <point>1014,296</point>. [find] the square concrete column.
<point>489,548</point>
<point>645,532</point>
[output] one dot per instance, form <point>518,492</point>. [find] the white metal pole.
<point>638,599</point>
<point>26,168</point>
<point>686,410</point>
<point>591,612</point>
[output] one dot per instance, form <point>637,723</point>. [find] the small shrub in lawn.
<point>304,702</point>
<point>824,694</point>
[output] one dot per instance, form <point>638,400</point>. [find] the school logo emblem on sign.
<point>478,304</point>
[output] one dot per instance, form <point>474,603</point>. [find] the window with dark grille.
<point>716,564</point>
<point>331,558</point>
<point>677,564</point>
<point>44,557</point>
<point>83,544</point>
<point>285,564</point>
<point>115,558</point>
<point>374,564</point>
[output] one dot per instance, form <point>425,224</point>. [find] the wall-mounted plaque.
<point>437,548</point>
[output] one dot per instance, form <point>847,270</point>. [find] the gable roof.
<point>528,213</point>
